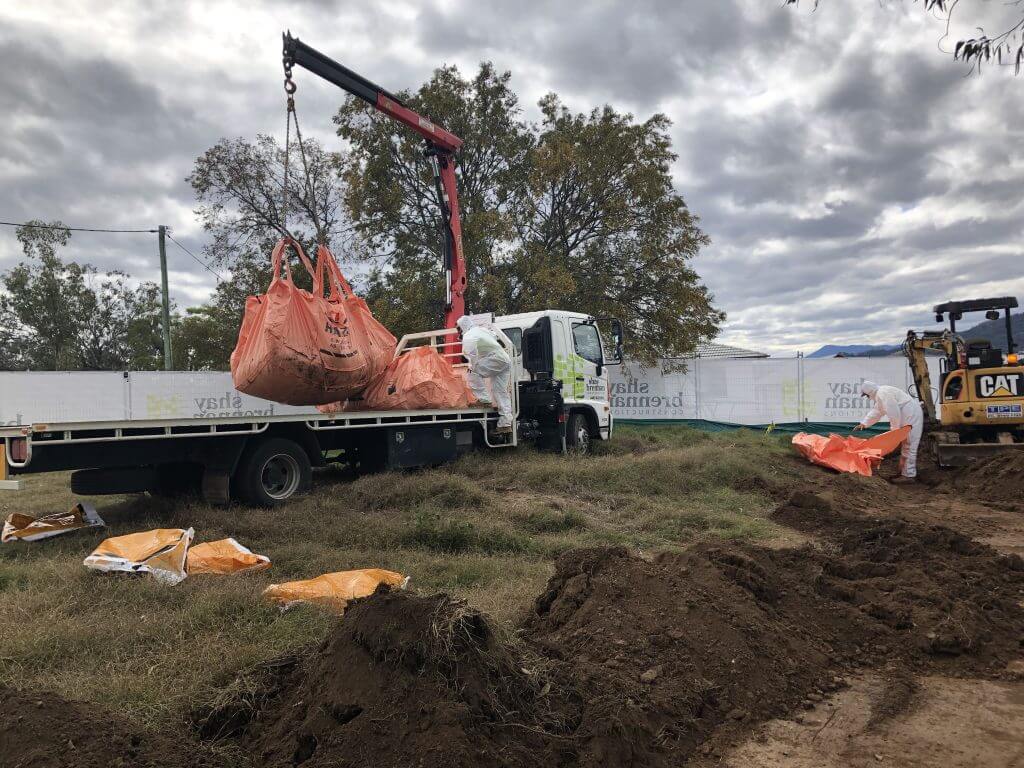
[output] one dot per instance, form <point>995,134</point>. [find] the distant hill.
<point>993,331</point>
<point>853,350</point>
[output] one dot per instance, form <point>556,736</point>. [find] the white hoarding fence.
<point>754,391</point>
<point>92,396</point>
<point>733,391</point>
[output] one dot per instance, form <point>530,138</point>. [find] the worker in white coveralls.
<point>902,410</point>
<point>487,361</point>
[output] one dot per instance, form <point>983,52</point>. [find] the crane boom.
<point>441,148</point>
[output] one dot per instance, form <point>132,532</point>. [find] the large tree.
<point>393,200</point>
<point>68,316</point>
<point>997,30</point>
<point>577,211</point>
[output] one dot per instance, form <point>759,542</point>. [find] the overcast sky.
<point>848,173</point>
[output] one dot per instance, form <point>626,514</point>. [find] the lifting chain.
<point>289,88</point>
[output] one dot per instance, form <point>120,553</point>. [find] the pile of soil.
<point>662,652</point>
<point>632,661</point>
<point>40,730</point>
<point>408,680</point>
<point>953,603</point>
<point>624,661</point>
<point>996,480</point>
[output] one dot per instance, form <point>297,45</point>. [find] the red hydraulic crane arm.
<point>441,149</point>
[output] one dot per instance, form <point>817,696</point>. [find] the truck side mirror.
<point>617,341</point>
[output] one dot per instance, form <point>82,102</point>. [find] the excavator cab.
<point>980,408</point>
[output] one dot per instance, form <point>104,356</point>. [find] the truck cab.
<point>562,365</point>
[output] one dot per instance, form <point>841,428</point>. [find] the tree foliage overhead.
<point>244,205</point>
<point>65,316</point>
<point>577,211</point>
<point>1004,46</point>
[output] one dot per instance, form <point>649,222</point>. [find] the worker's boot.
<point>503,429</point>
<point>904,480</point>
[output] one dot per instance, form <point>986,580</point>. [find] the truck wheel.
<point>577,434</point>
<point>272,472</point>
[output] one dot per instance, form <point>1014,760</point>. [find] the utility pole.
<point>168,360</point>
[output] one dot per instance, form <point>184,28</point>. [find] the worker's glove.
<point>858,428</point>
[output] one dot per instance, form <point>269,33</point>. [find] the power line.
<point>70,229</point>
<point>196,258</point>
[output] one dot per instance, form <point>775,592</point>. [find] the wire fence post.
<point>168,358</point>
<point>801,411</point>
<point>696,386</point>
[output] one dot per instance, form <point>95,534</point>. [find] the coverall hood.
<point>464,323</point>
<point>868,388</point>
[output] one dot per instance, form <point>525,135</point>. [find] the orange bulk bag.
<point>302,348</point>
<point>418,379</point>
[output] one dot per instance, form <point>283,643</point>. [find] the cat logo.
<point>1003,385</point>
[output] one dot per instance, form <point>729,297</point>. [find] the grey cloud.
<point>798,135</point>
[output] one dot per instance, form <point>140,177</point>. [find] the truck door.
<point>588,373</point>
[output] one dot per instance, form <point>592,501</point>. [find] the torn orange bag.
<point>224,556</point>
<point>416,380</point>
<point>302,348</point>
<point>162,553</point>
<point>21,527</point>
<point>849,454</point>
<point>333,590</point>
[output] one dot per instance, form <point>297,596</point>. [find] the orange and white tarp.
<point>850,454</point>
<point>162,553</point>
<point>22,527</point>
<point>333,590</point>
<point>223,557</point>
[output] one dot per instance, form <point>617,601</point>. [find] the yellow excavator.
<point>980,408</point>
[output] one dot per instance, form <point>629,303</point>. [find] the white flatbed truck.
<point>173,432</point>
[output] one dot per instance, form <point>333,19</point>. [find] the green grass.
<point>486,528</point>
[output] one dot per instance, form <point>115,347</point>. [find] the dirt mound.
<point>996,480</point>
<point>408,680</point>
<point>627,661</point>
<point>624,662</point>
<point>40,730</point>
<point>953,602</point>
<point>663,652</point>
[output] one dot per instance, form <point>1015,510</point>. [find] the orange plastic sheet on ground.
<point>162,553</point>
<point>333,590</point>
<point>416,380</point>
<point>849,454</point>
<point>223,557</point>
<point>22,527</point>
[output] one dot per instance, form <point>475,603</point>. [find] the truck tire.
<point>102,482</point>
<point>577,434</point>
<point>272,472</point>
